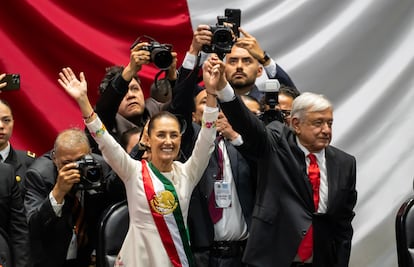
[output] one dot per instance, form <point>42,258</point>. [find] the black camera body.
<point>224,32</point>
<point>13,82</point>
<point>222,40</point>
<point>160,54</point>
<point>90,172</point>
<point>271,98</point>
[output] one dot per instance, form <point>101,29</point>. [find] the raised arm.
<point>78,90</point>
<point>182,103</point>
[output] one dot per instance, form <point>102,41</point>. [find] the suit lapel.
<point>212,170</point>
<point>232,154</point>
<point>13,160</point>
<point>332,170</point>
<point>303,184</point>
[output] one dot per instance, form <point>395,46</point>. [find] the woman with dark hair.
<point>159,190</point>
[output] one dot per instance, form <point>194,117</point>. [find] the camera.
<point>160,54</point>
<point>90,172</point>
<point>13,82</point>
<point>224,32</point>
<point>271,94</point>
<point>222,40</point>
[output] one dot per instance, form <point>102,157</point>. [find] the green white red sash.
<point>165,209</point>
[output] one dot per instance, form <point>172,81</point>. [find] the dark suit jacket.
<point>13,225</point>
<point>182,105</point>
<point>284,209</point>
<point>199,221</point>
<point>50,235</point>
<point>20,160</point>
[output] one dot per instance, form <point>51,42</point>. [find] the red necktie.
<point>306,246</point>
<point>216,213</point>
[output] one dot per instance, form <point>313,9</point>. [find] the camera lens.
<point>162,58</point>
<point>223,39</point>
<point>93,174</point>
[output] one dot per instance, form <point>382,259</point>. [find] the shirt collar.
<point>319,155</point>
<point>5,152</point>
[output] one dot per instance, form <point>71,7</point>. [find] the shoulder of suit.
<point>25,157</point>
<point>24,153</point>
<point>31,154</point>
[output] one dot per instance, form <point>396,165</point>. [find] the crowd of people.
<point>208,181</point>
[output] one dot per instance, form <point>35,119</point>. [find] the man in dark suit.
<point>285,210</point>
<point>56,194</point>
<point>19,159</point>
<point>121,104</point>
<point>220,241</point>
<point>14,234</point>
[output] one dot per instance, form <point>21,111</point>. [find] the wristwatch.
<point>265,58</point>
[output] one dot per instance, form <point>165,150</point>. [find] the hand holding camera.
<point>224,33</point>
<point>68,176</point>
<point>90,173</point>
<point>84,174</point>
<point>9,82</point>
<point>214,75</point>
<point>201,37</point>
<point>159,54</point>
<point>251,44</point>
<point>138,57</point>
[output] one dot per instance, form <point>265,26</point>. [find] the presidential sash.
<point>165,209</point>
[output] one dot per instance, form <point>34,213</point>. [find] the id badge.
<point>73,248</point>
<point>222,193</point>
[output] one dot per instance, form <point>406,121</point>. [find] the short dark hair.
<point>126,135</point>
<point>4,102</point>
<point>111,72</point>
<point>253,99</point>
<point>289,91</point>
<point>161,90</point>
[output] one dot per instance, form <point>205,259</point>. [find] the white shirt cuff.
<point>208,109</point>
<point>227,94</point>
<point>189,61</point>
<point>203,57</point>
<point>57,208</point>
<point>271,69</point>
<point>238,141</point>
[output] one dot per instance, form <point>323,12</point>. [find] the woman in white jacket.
<point>158,191</point>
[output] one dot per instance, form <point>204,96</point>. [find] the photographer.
<point>121,104</point>
<point>246,62</point>
<point>63,208</point>
<point>244,57</point>
<point>216,240</point>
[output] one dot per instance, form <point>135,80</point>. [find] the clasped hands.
<point>214,74</point>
